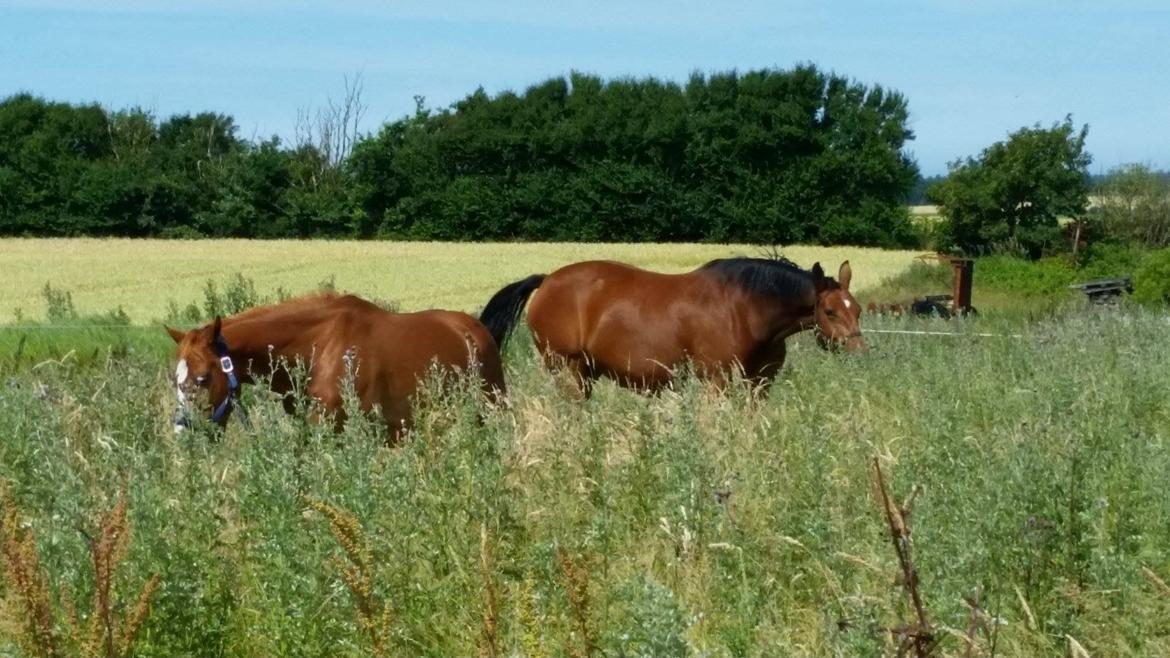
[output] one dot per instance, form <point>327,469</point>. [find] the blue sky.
<point>973,70</point>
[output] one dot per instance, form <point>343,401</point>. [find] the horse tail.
<point>504,308</point>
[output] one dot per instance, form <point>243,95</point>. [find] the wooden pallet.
<point>1105,291</point>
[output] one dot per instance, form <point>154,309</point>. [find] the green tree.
<point>1132,204</point>
<point>1012,195</point>
<point>765,156</point>
<point>46,151</point>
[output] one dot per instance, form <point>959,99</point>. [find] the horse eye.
<point>831,313</point>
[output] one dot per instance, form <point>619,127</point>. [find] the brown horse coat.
<point>607,318</point>
<point>390,352</point>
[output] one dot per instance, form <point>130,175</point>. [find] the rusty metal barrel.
<point>964,270</point>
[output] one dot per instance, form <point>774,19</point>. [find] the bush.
<point>1047,276</point>
<point>1151,281</point>
<point>1107,260</point>
<point>58,304</point>
<point>1133,205</point>
<point>181,233</point>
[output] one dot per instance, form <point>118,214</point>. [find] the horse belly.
<point>635,355</point>
<point>617,322</point>
<point>449,342</point>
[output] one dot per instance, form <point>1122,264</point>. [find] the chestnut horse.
<point>606,318</point>
<point>390,352</point>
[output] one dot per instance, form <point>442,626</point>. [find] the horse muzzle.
<point>182,421</point>
<point>850,343</point>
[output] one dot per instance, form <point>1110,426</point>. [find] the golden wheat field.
<point>141,276</point>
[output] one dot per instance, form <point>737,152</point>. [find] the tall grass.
<point>694,522</point>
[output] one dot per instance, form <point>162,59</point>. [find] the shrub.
<point>181,233</point>
<point>1133,205</point>
<point>239,294</point>
<point>59,304</point>
<point>1151,281</point>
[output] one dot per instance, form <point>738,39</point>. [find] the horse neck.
<point>254,343</point>
<point>784,317</point>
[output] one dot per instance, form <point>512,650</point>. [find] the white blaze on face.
<point>847,304</point>
<point>180,378</point>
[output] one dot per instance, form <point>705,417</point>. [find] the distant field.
<point>141,276</point>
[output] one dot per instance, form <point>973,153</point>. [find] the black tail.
<point>504,308</point>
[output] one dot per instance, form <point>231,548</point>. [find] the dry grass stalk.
<point>488,647</point>
<point>1158,583</point>
<point>1075,649</point>
<point>1026,608</point>
<point>23,572</point>
<point>373,618</point>
<point>105,634</point>
<point>108,635</point>
<point>919,634</point>
<point>107,552</point>
<point>977,622</point>
<point>575,581</point>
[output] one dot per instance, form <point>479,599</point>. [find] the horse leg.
<point>326,405</point>
<point>322,413</point>
<point>575,369</point>
<point>766,366</point>
<point>396,415</point>
<point>583,376</point>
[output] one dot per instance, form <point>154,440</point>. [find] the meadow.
<point>695,522</point>
<point>142,276</point>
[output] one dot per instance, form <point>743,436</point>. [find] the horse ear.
<point>818,276</point>
<point>176,335</point>
<point>844,275</point>
<point>216,328</point>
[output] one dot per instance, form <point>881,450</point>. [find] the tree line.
<point>69,170</point>
<point>770,156</point>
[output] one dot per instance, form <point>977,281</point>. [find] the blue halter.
<point>232,398</point>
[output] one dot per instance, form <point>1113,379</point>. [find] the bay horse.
<point>389,353</point>
<point>607,318</point>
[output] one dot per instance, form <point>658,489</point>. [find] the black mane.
<point>772,277</point>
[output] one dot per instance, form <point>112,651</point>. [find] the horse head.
<point>836,315</point>
<point>204,375</point>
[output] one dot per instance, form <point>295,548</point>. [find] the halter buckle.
<point>225,363</point>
